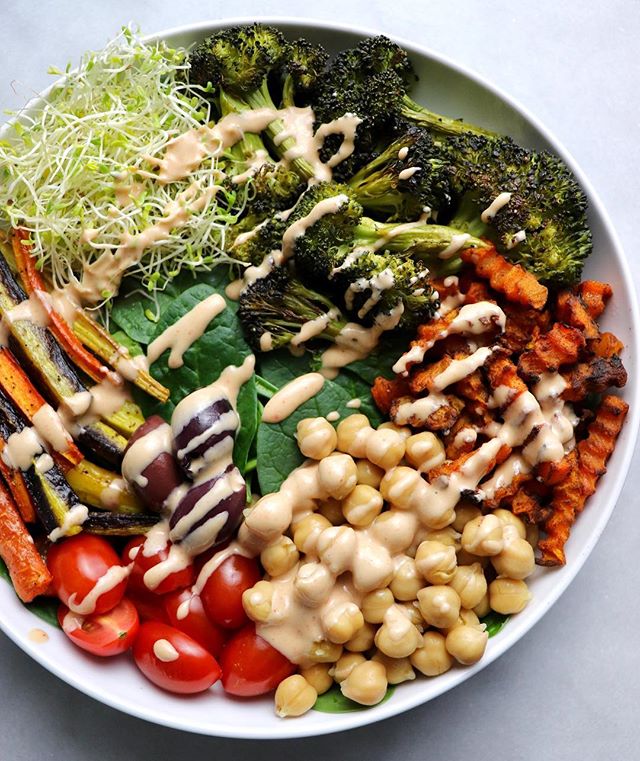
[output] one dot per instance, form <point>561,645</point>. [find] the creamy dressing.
<point>502,199</point>
<point>144,451</point>
<point>418,411</point>
<point>457,242</point>
<point>460,368</point>
<point>86,407</point>
<point>258,160</point>
<point>403,152</point>
<point>354,404</point>
<point>333,416</point>
<point>106,583</point>
<point>464,436</point>
<point>346,126</point>
<point>309,329</point>
<point>183,333</point>
<point>21,448</point>
<point>72,519</point>
<point>35,309</point>
<point>520,236</point>
<point>300,226</point>
<point>504,474</point>
<point>164,651</point>
<point>290,397</point>
<point>50,429</point>
<point>405,174</point>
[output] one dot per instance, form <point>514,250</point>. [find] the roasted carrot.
<point>29,574</point>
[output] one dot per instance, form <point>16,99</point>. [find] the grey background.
<point>570,688</point>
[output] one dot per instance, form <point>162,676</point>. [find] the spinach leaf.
<point>278,452</point>
<point>495,622</point>
<point>45,608</point>
<point>333,701</point>
<point>221,344</point>
<point>125,340</point>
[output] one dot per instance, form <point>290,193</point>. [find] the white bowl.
<point>453,90</point>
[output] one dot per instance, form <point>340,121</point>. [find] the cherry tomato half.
<point>222,594</point>
<point>142,563</point>
<point>77,563</point>
<point>250,666</point>
<point>172,660</point>
<point>194,621</point>
<point>102,634</point>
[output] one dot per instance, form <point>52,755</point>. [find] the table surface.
<point>569,689</point>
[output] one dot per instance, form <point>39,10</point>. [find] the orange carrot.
<point>16,483</point>
<point>29,574</point>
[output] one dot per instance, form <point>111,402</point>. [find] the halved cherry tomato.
<point>172,660</point>
<point>77,564</point>
<point>250,666</point>
<point>142,563</point>
<point>150,607</point>
<point>102,634</point>
<point>194,621</point>
<point>222,594</point>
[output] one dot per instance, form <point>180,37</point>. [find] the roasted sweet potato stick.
<point>594,296</point>
<point>594,376</point>
<point>606,345</point>
<point>27,569</point>
<point>560,346</point>
<point>571,310</point>
<point>512,280</point>
<point>385,392</point>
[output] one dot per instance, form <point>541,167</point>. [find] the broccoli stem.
<point>445,125</point>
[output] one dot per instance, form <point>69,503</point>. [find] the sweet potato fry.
<point>488,464</point>
<point>512,280</point>
<point>553,473</point>
<point>461,438</point>
<point>502,373</point>
<point>606,345</point>
<point>27,569</point>
<point>594,376</point>
<point>505,483</point>
<point>477,291</point>
<point>527,505</point>
<point>474,389</point>
<point>560,346</point>
<point>385,391</point>
<point>571,310</point>
<point>523,325</point>
<point>420,413</point>
<point>594,296</point>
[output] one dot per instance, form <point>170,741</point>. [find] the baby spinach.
<point>45,608</point>
<point>333,701</point>
<point>495,622</point>
<point>278,452</point>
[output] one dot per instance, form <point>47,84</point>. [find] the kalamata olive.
<point>203,435</point>
<point>149,464</point>
<point>209,512</point>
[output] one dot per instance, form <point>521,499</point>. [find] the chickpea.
<point>368,473</point>
<point>256,601</point>
<point>373,567</point>
<point>467,558</point>
<point>318,677</point>
<point>470,583</point>
<point>398,670</point>
<point>366,684</point>
<point>397,637</point>
<point>424,451</point>
<point>439,605</point>
<point>362,641</point>
<point>395,529</point>
<point>432,659</point>
<point>362,505</point>
<point>342,622</point>
<point>507,518</point>
<point>280,556</point>
<point>324,652</point>
<point>352,435</point>
<point>294,696</point>
<point>345,665</point>
<point>331,509</point>
<point>411,610</point>
<point>307,531</point>
<point>447,535</point>
<point>483,536</point>
<point>466,644</point>
<point>313,584</point>
<point>337,475</point>
<point>483,608</point>
<point>403,430</point>
<point>399,485</point>
<point>269,518</point>
<point>508,595</point>
<point>436,562</point>
<point>316,437</point>
<point>385,448</point>
<point>466,618</point>
<point>465,513</point>
<point>516,560</point>
<point>336,547</point>
<point>407,580</point>
<point>375,605</point>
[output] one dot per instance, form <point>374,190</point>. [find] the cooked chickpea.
<point>294,696</point>
<point>307,531</point>
<point>398,670</point>
<point>466,618</point>
<point>508,595</point>
<point>316,437</point>
<point>411,610</point>
<point>318,677</point>
<point>397,637</point>
<point>336,547</point>
<point>337,474</point>
<point>424,451</point>
<point>470,583</point>
<point>483,608</point>
<point>436,562</point>
<point>362,505</point>
<point>352,435</point>
<point>324,652</point>
<point>345,665</point>
<point>256,601</point>
<point>432,659</point>
<point>342,622</point>
<point>362,641</point>
<point>483,535</point>
<point>403,430</point>
<point>467,558</point>
<point>366,684</point>
<point>280,556</point>
<point>447,535</point>
<point>331,509</point>
<point>465,513</point>
<point>398,486</point>
<point>466,644</point>
<point>313,584</point>
<point>507,518</point>
<point>516,560</point>
<point>368,473</point>
<point>375,605</point>
<point>407,580</point>
<point>385,448</point>
<point>395,529</point>
<point>268,519</point>
<point>439,605</point>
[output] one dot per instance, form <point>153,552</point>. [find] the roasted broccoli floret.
<point>253,243</point>
<point>303,71</point>
<point>274,310</point>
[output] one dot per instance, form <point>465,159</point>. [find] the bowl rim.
<point>511,634</point>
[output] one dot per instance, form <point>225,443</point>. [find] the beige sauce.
<point>405,174</point>
<point>502,199</point>
<point>266,341</point>
<point>21,448</point>
<point>460,368</point>
<point>106,583</point>
<point>311,328</point>
<point>520,236</point>
<point>346,126</point>
<point>72,519</point>
<point>300,226</point>
<point>457,242</point>
<point>183,333</point>
<point>165,651</point>
<point>259,159</point>
<point>38,636</point>
<point>291,396</point>
<point>144,451</point>
<point>50,429</point>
